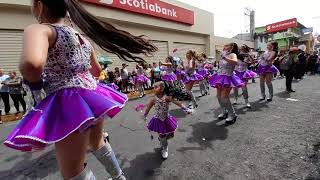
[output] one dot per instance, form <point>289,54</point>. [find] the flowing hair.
<point>275,47</point>
<point>125,45</point>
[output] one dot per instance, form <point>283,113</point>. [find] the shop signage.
<point>279,26</point>
<point>153,8</point>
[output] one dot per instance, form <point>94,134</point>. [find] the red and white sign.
<point>154,8</point>
<point>279,26</point>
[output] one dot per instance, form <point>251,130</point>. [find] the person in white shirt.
<point>124,77</point>
<point>4,92</point>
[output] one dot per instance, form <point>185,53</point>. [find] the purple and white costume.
<point>141,77</point>
<point>202,70</point>
<point>265,67</point>
<point>225,76</point>
<point>242,71</point>
<point>191,75</point>
<point>162,122</point>
<point>75,101</point>
<point>168,74</point>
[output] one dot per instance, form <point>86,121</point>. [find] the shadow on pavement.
<point>255,106</point>
<point>29,168</point>
<point>145,166</point>
<point>204,133</point>
<point>177,113</point>
<point>283,95</point>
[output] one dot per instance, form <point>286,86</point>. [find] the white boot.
<point>165,152</point>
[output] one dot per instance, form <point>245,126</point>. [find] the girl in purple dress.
<point>60,60</point>
<point>204,72</point>
<point>241,70</point>
<point>191,76</point>
<point>162,122</point>
<point>140,79</point>
<point>266,70</point>
<point>224,80</point>
<point>168,74</point>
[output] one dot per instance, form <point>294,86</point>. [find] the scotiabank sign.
<point>279,26</point>
<point>154,8</point>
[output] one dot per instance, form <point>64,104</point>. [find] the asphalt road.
<point>276,140</point>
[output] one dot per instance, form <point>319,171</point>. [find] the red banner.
<point>279,26</point>
<point>153,8</point>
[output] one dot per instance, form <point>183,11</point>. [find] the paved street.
<point>277,140</point>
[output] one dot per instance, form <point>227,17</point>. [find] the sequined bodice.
<point>168,70</point>
<point>225,68</point>
<point>68,62</point>
<point>264,59</point>
<point>161,109</point>
<point>188,69</point>
<point>241,66</point>
<point>200,65</point>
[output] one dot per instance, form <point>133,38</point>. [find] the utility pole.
<point>251,14</point>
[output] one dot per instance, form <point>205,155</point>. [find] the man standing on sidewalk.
<point>289,65</point>
<point>4,93</point>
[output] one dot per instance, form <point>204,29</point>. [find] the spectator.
<point>289,65</point>
<point>312,60</point>
<point>16,91</point>
<point>103,77</point>
<point>131,85</point>
<point>156,72</point>
<point>117,78</point>
<point>149,76</point>
<point>4,93</point>
<point>124,77</point>
<point>301,68</point>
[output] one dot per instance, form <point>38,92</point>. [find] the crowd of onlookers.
<point>11,87</point>
<point>124,78</point>
<point>298,62</point>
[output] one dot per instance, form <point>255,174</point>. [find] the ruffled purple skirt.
<point>180,73</point>
<point>192,78</point>
<point>246,75</point>
<point>203,72</point>
<point>169,77</point>
<point>141,79</point>
<point>267,69</point>
<point>218,81</point>
<point>62,113</point>
<point>163,127</point>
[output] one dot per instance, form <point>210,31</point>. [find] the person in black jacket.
<point>290,64</point>
<point>301,68</point>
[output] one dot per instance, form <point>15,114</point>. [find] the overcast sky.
<point>230,19</point>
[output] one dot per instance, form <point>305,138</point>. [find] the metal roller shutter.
<point>10,49</point>
<point>161,54</point>
<point>183,48</point>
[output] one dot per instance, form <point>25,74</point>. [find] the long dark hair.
<point>170,58</point>
<point>125,45</point>
<point>275,47</point>
<point>235,48</point>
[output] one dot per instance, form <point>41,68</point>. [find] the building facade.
<point>287,34</point>
<point>169,24</point>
